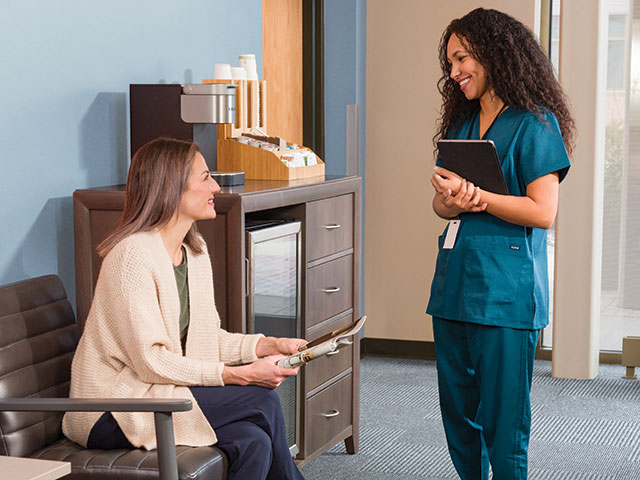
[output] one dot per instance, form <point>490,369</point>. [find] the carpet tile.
<point>586,430</point>
<point>604,388</point>
<point>535,474</point>
<point>421,461</point>
<point>635,454</point>
<point>581,430</point>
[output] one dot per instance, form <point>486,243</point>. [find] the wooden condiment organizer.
<point>256,163</point>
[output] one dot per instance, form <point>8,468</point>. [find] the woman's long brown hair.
<point>517,68</point>
<point>158,176</point>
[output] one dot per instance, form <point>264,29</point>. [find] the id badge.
<point>452,233</point>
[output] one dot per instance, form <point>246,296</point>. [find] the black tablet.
<point>476,161</point>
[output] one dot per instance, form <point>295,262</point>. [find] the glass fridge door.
<point>273,300</point>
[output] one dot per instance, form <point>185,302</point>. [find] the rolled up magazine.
<point>323,345</point>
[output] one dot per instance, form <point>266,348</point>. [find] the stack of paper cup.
<point>248,61</point>
<point>238,73</point>
<point>222,71</point>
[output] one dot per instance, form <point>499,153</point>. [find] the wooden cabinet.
<point>329,289</point>
<point>329,226</point>
<point>330,212</point>
<point>328,414</point>
<point>324,369</point>
<point>330,305</point>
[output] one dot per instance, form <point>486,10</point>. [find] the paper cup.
<point>238,73</point>
<point>248,61</point>
<point>222,71</point>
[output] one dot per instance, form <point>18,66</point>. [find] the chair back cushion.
<point>38,336</point>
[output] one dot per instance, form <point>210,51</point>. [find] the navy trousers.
<point>484,381</point>
<point>248,422</point>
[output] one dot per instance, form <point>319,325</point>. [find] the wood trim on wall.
<point>421,350</point>
<point>397,348</point>
<point>282,67</point>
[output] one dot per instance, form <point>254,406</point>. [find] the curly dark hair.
<point>517,69</point>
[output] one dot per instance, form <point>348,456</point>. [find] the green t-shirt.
<point>182,282</point>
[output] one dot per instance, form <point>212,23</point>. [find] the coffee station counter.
<point>329,209</point>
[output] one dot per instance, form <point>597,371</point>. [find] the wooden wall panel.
<point>282,67</point>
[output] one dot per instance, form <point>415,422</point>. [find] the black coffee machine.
<point>185,112</point>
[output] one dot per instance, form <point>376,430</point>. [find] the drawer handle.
<point>332,226</point>
<point>335,352</point>
<point>331,290</point>
<point>333,413</point>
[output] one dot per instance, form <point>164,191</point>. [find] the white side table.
<point>18,468</point>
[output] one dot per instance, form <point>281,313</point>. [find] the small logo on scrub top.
<point>515,247</point>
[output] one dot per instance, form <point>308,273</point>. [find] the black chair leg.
<point>167,461</point>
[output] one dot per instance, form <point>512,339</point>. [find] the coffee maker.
<point>185,112</point>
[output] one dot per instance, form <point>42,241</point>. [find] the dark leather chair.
<point>38,336</point>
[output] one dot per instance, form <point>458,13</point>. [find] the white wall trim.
<point>577,285</point>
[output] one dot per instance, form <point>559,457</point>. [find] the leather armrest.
<point>95,405</point>
<point>162,408</point>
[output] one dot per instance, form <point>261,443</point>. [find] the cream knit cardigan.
<point>130,347</point>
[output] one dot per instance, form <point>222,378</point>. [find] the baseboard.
<point>425,350</point>
<point>605,357</point>
<point>385,347</point>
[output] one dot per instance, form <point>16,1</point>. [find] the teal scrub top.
<point>496,273</point>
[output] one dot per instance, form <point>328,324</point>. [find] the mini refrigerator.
<point>274,298</point>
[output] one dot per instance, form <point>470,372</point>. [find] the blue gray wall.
<point>65,68</point>
<point>345,33</point>
<point>344,82</point>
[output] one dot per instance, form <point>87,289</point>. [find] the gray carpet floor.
<point>582,429</point>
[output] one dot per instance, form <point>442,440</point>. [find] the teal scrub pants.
<point>484,381</point>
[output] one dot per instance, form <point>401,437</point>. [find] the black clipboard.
<point>476,161</point>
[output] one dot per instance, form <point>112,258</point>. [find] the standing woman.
<point>153,330</point>
<point>490,293</point>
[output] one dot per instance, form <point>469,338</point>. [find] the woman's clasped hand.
<point>455,193</point>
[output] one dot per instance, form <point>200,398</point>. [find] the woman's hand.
<point>454,195</point>
<point>263,372</point>
<point>443,180</point>
<point>275,346</point>
<point>448,205</point>
<point>466,200</point>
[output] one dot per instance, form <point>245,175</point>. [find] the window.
<point>616,52</point>
<point>620,307</point>
<point>620,300</point>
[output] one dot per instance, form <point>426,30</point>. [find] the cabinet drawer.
<point>329,226</point>
<point>327,414</point>
<point>327,367</point>
<point>329,289</point>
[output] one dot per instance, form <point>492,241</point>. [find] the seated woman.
<point>153,330</point>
